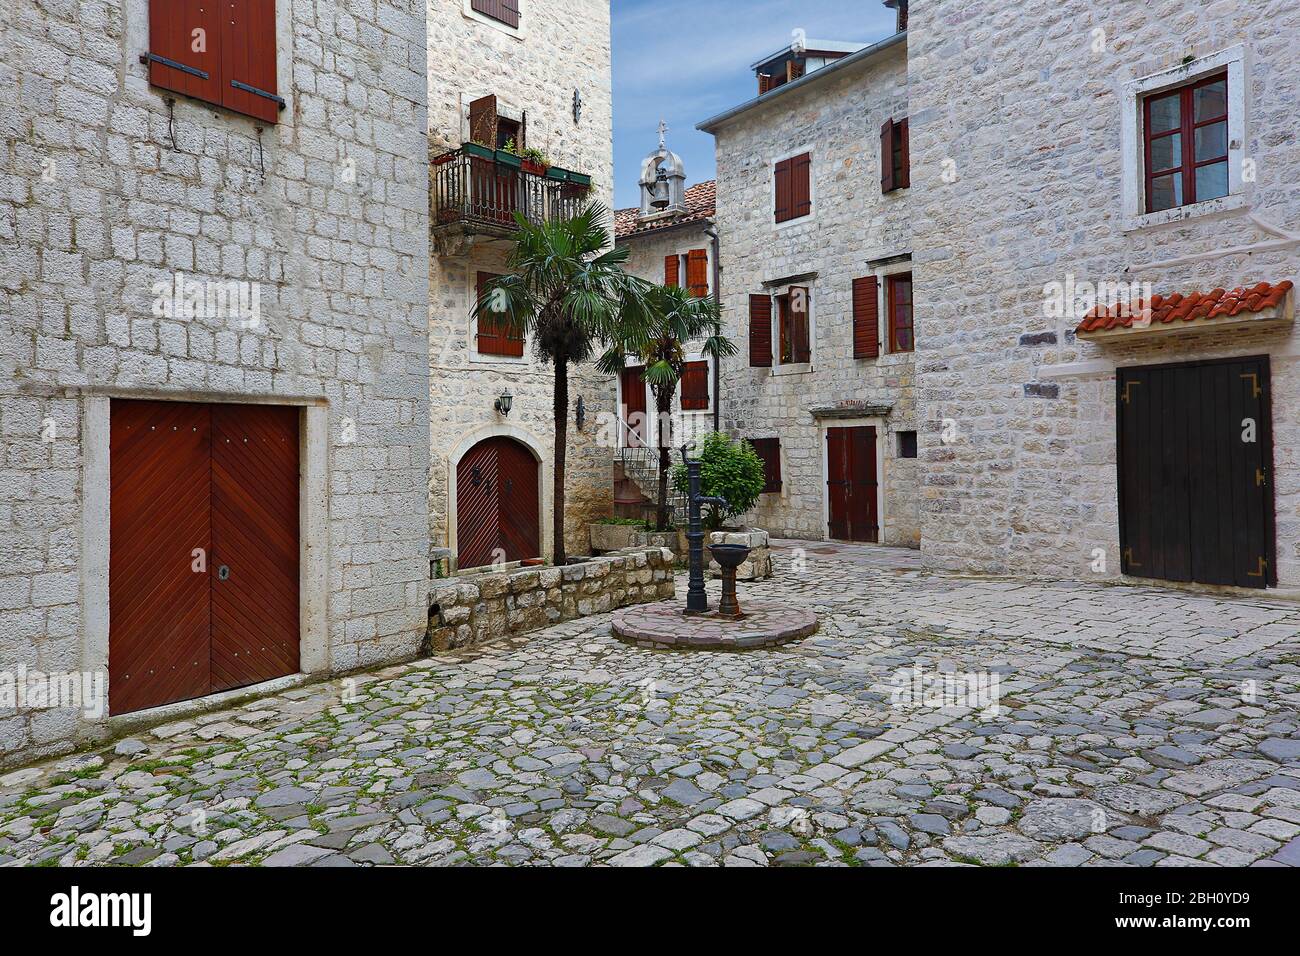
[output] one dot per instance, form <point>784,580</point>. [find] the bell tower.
<point>663,182</point>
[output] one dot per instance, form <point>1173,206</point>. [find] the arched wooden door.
<point>498,514</point>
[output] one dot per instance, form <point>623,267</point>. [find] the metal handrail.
<point>468,188</point>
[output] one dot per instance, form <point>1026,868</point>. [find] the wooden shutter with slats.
<point>248,58</point>
<point>673,270</point>
<point>504,11</point>
<point>184,48</point>
<point>801,344</point>
<point>495,337</point>
<point>769,451</point>
<point>784,192</point>
<point>695,387</point>
<point>903,175</point>
<point>887,157</point>
<point>760,331</point>
<point>697,272</point>
<point>483,121</point>
<point>866,318</point>
<point>801,185</point>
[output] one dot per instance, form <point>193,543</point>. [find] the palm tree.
<point>566,286</point>
<point>658,335</point>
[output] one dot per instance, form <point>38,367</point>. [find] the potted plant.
<point>509,156</point>
<point>535,162</point>
<point>730,470</point>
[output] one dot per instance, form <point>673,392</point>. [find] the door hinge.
<point>148,58</point>
<point>1263,569</point>
<point>1128,397</point>
<point>1260,478</point>
<point>1254,382</point>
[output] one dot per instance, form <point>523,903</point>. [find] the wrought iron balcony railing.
<point>481,191</point>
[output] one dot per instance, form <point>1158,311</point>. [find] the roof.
<point>701,204</point>
<point>816,76</point>
<point>814,46</point>
<point>1194,307</point>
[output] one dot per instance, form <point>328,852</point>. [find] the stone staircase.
<point>636,486</point>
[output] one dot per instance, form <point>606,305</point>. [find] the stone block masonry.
<point>474,609</point>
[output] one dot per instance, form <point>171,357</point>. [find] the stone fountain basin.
<point>730,556</point>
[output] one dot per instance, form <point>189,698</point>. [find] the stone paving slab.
<point>665,626</point>
<point>1130,726</point>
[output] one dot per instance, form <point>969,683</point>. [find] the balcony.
<point>476,192</point>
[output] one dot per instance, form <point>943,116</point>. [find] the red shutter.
<point>866,318</point>
<point>186,33</point>
<point>496,337</point>
<point>760,331</point>
<point>769,451</point>
<point>673,270</point>
<point>764,83</point>
<point>695,387</point>
<point>887,156</point>
<point>784,193</point>
<point>793,70</point>
<point>483,121</point>
<point>506,11</point>
<point>697,272</point>
<point>801,347</point>
<point>904,166</point>
<point>801,185</point>
<point>248,81</point>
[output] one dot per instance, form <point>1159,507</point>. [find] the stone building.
<point>213,326</point>
<point>1138,160</point>
<point>814,211</point>
<point>520,120</point>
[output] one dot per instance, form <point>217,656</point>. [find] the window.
<point>901,338</point>
<point>794,187</point>
<point>895,163</point>
<point>796,345</point>
<point>695,387</point>
<point>697,273</point>
<point>1185,131</point>
<point>907,445</point>
<point>866,318</point>
<point>495,337</point>
<point>222,57</point>
<point>488,127</point>
<point>760,331</point>
<point>769,452</point>
<point>503,11</point>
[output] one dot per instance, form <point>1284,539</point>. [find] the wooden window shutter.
<point>769,450</point>
<point>496,337</point>
<point>673,270</point>
<point>904,174</point>
<point>505,11</point>
<point>887,157</point>
<point>866,318</point>
<point>185,48</point>
<point>784,192</point>
<point>801,185</point>
<point>764,83</point>
<point>248,81</point>
<point>760,331</point>
<point>697,272</point>
<point>695,387</point>
<point>483,121</point>
<point>801,347</point>
<point>793,70</point>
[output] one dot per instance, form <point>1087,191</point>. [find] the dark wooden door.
<point>497,504</point>
<point>254,544</point>
<point>634,406</point>
<point>851,484</point>
<point>203,559</point>
<point>1195,462</point>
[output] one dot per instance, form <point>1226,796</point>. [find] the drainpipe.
<point>712,233</point>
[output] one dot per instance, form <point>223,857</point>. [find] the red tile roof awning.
<point>701,204</point>
<point>1256,305</point>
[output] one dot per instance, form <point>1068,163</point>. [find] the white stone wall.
<point>98,202</point>
<point>852,224</point>
<point>1026,104</point>
<point>562,45</point>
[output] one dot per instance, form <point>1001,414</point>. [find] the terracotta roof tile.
<point>1165,310</point>
<point>701,203</point>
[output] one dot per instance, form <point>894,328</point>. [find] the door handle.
<point>223,573</point>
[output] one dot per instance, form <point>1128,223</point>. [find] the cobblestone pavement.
<point>1136,726</point>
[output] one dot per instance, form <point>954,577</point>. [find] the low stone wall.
<point>468,611</point>
<point>759,565</point>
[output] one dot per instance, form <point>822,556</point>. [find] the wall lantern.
<point>505,403</point>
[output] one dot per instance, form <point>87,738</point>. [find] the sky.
<point>684,61</point>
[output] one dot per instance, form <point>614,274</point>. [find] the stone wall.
<point>838,118</point>
<point>103,193</point>
<point>562,45</point>
<point>1031,135</point>
<point>477,608</point>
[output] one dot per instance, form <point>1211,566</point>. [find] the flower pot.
<point>534,167</point>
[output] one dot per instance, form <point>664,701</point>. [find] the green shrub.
<point>730,470</point>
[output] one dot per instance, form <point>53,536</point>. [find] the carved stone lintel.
<point>851,410</point>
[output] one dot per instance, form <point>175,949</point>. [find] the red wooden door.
<point>634,406</point>
<point>254,544</point>
<point>203,561</point>
<point>851,484</point>
<point>498,514</point>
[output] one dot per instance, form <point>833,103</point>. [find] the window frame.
<point>773,478</point>
<point>892,282</point>
<point>781,309</point>
<point>1187,126</point>
<point>906,436</point>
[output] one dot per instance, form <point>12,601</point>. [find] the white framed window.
<point>794,329</point>
<point>508,16</point>
<point>793,188</point>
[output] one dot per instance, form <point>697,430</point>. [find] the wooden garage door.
<point>851,484</point>
<point>498,514</point>
<point>1195,459</point>
<point>203,563</point>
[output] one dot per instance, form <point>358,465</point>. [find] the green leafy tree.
<point>566,286</point>
<point>657,335</point>
<point>730,470</point>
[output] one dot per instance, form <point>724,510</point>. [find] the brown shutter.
<point>695,387</point>
<point>495,337</point>
<point>483,121</point>
<point>764,83</point>
<point>673,270</point>
<point>172,37</point>
<point>760,331</point>
<point>793,70</point>
<point>506,11</point>
<point>866,318</point>
<point>801,349</point>
<point>887,156</point>
<point>801,185</point>
<point>697,272</point>
<point>248,81</point>
<point>905,164</point>
<point>769,450</point>
<point>784,193</point>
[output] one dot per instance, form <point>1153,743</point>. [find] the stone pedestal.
<point>759,565</point>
